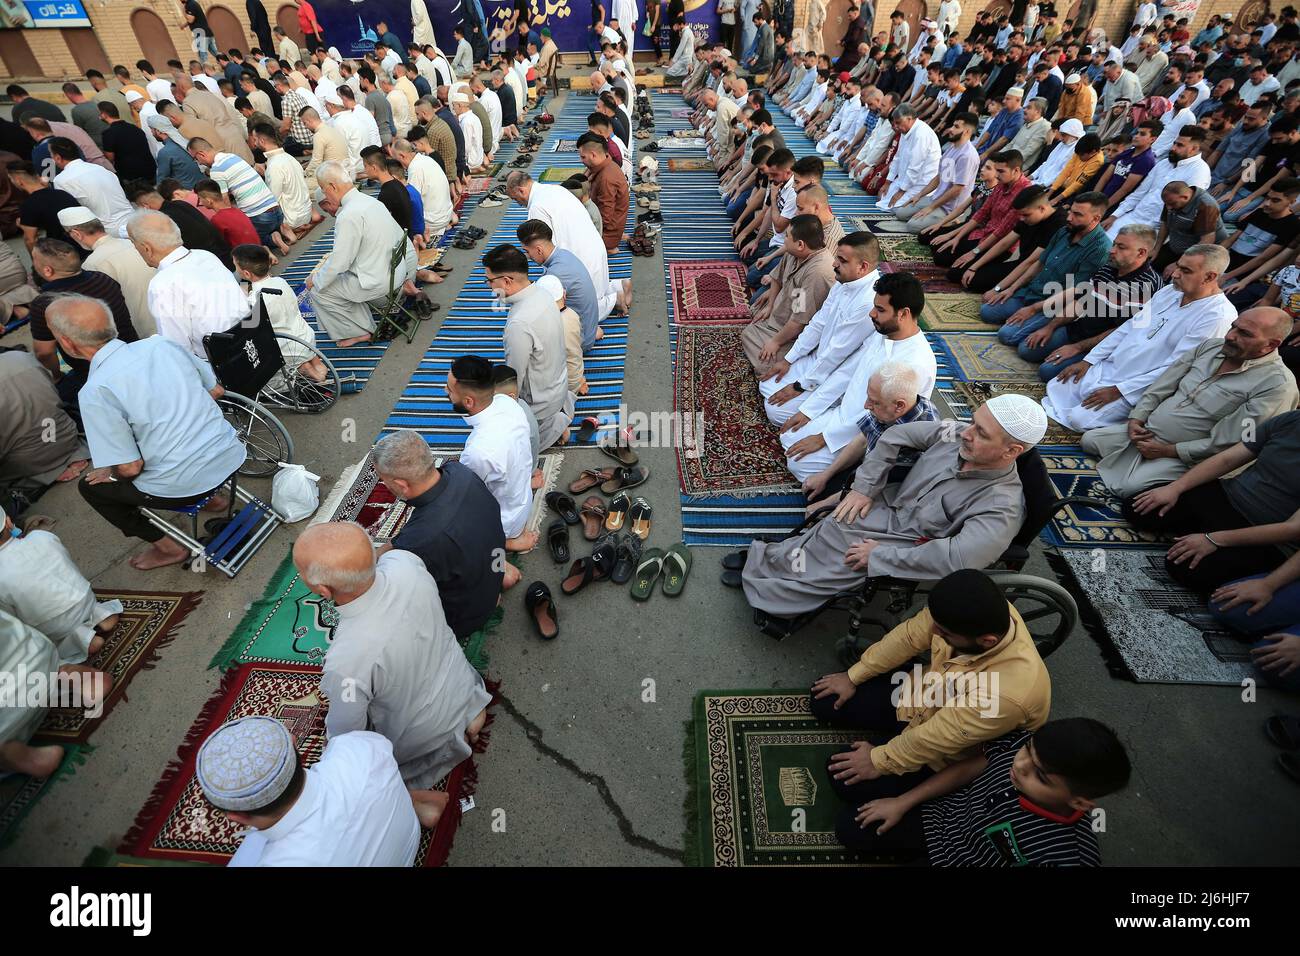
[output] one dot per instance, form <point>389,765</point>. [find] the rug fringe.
<point>341,487</point>
<point>757,491</point>
<point>189,746</point>
<point>226,655</point>
<point>1092,620</point>
<point>690,807</point>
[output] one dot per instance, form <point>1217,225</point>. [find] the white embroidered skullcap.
<point>333,98</point>
<point>75,216</point>
<point>1017,91</point>
<point>246,764</point>
<point>132,96</point>
<point>1020,417</point>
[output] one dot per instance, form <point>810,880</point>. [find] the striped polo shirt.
<point>248,191</point>
<point>988,822</point>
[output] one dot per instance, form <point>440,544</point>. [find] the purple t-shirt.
<point>1126,164</point>
<point>958,167</point>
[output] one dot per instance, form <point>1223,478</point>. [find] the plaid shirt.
<point>997,216</point>
<point>922,411</point>
<point>291,104</point>
<point>870,121</point>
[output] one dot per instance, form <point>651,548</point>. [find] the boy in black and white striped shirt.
<point>1026,801</point>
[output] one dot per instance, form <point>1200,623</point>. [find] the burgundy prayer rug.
<point>178,824</point>
<point>934,279</point>
<point>709,291</point>
<point>728,446</point>
<point>149,622</point>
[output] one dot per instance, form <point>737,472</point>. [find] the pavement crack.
<point>535,736</point>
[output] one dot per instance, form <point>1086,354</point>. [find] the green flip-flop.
<point>677,564</point>
<point>647,572</point>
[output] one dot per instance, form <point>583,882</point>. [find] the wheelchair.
<point>250,366</point>
<point>1047,608</point>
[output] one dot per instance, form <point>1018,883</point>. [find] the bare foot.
<point>428,276</point>
<point>107,624</point>
<point>218,502</point>
<point>408,288</point>
<point>355,340</point>
<point>524,543</point>
<point>162,553</point>
<point>74,470</point>
<point>90,677</point>
<point>538,479</point>
<point>429,806</point>
<point>280,243</point>
<point>583,388</point>
<point>33,761</point>
<point>510,577</point>
<point>38,523</point>
<point>627,294</point>
<point>476,727</point>
<point>600,333</point>
<point>96,645</point>
<point>314,370</point>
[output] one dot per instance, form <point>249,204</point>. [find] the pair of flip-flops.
<point>464,242</point>
<point>610,480</point>
<point>674,565</point>
<point>634,514</point>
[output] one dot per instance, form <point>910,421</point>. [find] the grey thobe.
<point>939,519</point>
<point>355,273</point>
<point>32,453</point>
<point>204,105</point>
<point>15,289</point>
<point>22,649</point>
<point>394,667</point>
<point>805,284</point>
<point>534,340</point>
<point>1197,411</point>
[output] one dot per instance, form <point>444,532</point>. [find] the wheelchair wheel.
<point>294,391</point>
<point>267,441</point>
<point>1047,608</point>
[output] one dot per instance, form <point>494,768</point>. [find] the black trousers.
<point>946,257</point>
<point>872,708</point>
<point>986,277</point>
<point>1207,508</point>
<point>119,502</point>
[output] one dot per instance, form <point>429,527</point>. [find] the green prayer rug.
<point>758,794</point>
<point>899,248</point>
<point>290,624</point>
<point>558,174</point>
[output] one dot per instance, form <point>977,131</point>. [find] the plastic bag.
<point>294,494</point>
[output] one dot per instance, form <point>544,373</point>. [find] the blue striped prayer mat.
<point>475,324</point>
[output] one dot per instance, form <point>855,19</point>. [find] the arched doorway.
<point>1249,15</point>
<point>87,51</point>
<point>286,18</point>
<point>17,55</point>
<point>155,41</point>
<point>833,29</point>
<point>913,12</point>
<point>227,29</point>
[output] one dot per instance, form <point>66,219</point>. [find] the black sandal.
<point>596,567</point>
<point>541,608</point>
<point>627,554</point>
<point>564,506</point>
<point>625,478</point>
<point>557,541</point>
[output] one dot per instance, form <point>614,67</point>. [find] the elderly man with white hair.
<point>118,259</point>
<point>191,294</point>
<point>893,398</point>
<point>394,666</point>
<point>831,416</point>
<point>157,439</point>
<point>959,506</point>
<point>454,527</point>
<point>1103,389</point>
<point>356,271</point>
<point>916,161</point>
<point>470,127</point>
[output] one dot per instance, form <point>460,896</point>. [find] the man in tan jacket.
<point>984,679</point>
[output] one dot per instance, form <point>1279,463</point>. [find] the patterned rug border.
<point>169,789</point>
<point>679,272</point>
<point>184,603</point>
<point>680,371</point>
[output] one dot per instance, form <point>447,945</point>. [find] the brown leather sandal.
<point>590,479</point>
